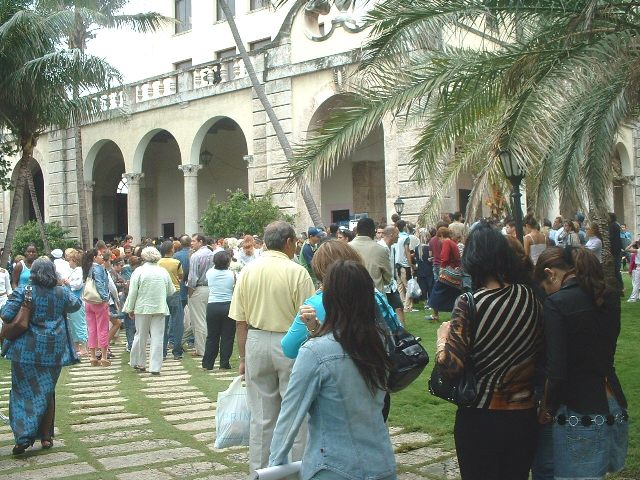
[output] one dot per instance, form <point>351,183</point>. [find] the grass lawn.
<point>413,409</point>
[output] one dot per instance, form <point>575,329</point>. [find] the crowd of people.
<point>310,313</point>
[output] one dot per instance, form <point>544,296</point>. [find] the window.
<point>183,65</point>
<point>220,13</point>
<point>258,44</point>
<point>183,15</point>
<point>258,4</point>
<point>226,66</point>
<point>122,187</point>
<point>321,29</point>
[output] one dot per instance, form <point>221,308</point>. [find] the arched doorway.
<point>222,157</point>
<point>162,188</point>
<point>357,184</point>
<point>109,202</point>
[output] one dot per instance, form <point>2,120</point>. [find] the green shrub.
<point>240,214</point>
<point>29,233</point>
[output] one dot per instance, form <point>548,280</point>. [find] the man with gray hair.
<point>265,300</point>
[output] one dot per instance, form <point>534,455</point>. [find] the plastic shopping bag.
<point>232,416</point>
<point>413,289</point>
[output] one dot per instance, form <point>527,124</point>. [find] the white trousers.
<point>267,374</point>
<point>635,281</point>
<point>198,316</point>
<point>148,325</point>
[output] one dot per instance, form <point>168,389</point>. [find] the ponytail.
<point>87,262</point>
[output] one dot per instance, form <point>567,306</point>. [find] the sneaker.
<point>631,301</point>
<point>110,355</point>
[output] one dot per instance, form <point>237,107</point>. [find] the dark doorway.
<point>121,214</point>
<point>463,200</point>
<point>341,217</point>
<point>168,230</point>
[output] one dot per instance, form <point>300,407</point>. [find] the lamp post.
<point>514,173</point>
<point>399,205</point>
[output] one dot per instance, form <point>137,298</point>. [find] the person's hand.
<point>443,331</point>
<point>308,314</point>
<point>132,315</point>
<point>241,368</point>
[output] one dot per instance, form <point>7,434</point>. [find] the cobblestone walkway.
<point>163,430</point>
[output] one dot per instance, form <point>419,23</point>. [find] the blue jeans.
<point>583,452</point>
<point>174,322</point>
<point>129,329</point>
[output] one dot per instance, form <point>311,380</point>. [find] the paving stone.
<point>410,438</point>
<point>148,474</point>
<point>189,408</point>
<point>183,387</point>
<point>168,382</point>
<point>239,457</point>
<point>98,401</point>
<point>86,427</point>
<point>98,389</point>
<point>91,383</point>
<point>188,469</point>
<point>174,394</point>
<point>420,455</point>
<point>165,378</point>
<point>145,458</point>
<point>448,469</point>
<point>229,476</point>
<point>191,415</point>
<point>410,476</point>
<point>98,410</point>
<point>93,394</point>
<point>395,430</point>
<point>92,373</point>
<point>206,436</point>
<point>197,425</point>
<point>117,435</point>
<point>174,402</point>
<point>29,461</point>
<point>141,445</point>
<point>5,450</point>
<point>108,416</point>
<point>59,471</point>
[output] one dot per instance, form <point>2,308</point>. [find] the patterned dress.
<point>37,357</point>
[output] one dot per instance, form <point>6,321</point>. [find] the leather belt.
<point>588,420</point>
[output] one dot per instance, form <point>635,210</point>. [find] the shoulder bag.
<point>461,390</point>
<point>451,276</point>
<point>90,293</point>
<point>20,323</point>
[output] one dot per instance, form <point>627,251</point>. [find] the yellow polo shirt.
<point>269,292</point>
<point>174,268</point>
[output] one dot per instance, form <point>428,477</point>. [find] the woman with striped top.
<point>500,338</point>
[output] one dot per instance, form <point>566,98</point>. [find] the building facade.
<point>194,128</point>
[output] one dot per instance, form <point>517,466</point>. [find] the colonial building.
<point>194,128</point>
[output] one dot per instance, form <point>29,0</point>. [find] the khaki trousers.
<point>267,373</point>
<point>198,316</point>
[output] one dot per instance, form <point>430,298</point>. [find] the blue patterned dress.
<point>37,357</point>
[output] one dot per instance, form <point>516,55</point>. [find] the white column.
<point>191,211</point>
<point>88,188</point>
<point>133,204</point>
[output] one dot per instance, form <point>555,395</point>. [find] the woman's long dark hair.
<point>579,261</point>
<point>87,262</point>
<point>351,317</point>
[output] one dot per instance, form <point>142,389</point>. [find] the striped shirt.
<point>505,341</point>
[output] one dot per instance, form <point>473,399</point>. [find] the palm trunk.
<point>600,217</point>
<point>36,209</point>
<point>16,204</point>
<point>277,127</point>
<point>83,216</point>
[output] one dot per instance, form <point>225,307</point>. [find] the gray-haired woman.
<point>147,304</point>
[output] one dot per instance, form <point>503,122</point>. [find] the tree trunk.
<point>277,127</point>
<point>16,204</point>
<point>600,217</point>
<point>36,208</point>
<point>83,216</point>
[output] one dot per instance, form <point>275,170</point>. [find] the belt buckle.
<point>573,421</point>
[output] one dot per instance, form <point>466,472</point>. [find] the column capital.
<point>132,178</point>
<point>190,169</point>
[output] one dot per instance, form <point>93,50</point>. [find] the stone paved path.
<point>164,429</point>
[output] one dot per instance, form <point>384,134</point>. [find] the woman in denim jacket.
<point>339,379</point>
<point>97,315</point>
<point>584,405</point>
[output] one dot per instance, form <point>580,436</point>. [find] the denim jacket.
<point>347,434</point>
<point>99,275</point>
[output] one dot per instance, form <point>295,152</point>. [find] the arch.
<point>198,138</point>
<point>622,154</point>
<point>90,157</point>
<point>108,208</point>
<point>141,148</point>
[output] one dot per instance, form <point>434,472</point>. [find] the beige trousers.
<point>198,316</point>
<point>267,373</point>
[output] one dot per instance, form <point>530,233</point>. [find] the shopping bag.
<point>232,416</point>
<point>413,289</point>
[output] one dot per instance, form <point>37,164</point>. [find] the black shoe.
<point>19,449</point>
<point>177,357</point>
<point>155,373</point>
<point>225,367</point>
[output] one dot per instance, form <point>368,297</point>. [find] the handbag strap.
<point>472,325</point>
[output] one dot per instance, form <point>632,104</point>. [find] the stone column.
<point>88,188</point>
<point>191,212</point>
<point>133,204</point>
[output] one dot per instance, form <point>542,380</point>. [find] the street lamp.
<point>514,173</point>
<point>399,205</point>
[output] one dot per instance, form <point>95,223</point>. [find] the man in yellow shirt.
<point>174,322</point>
<point>265,301</point>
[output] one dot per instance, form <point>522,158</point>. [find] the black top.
<point>614,238</point>
<point>581,345</point>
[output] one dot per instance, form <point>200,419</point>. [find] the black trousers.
<point>221,332</point>
<point>495,444</point>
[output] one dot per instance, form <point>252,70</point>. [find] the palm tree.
<point>273,118</point>
<point>550,81</point>
<point>86,16</point>
<point>34,81</point>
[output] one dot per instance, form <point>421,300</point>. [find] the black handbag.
<point>461,390</point>
<point>408,359</point>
